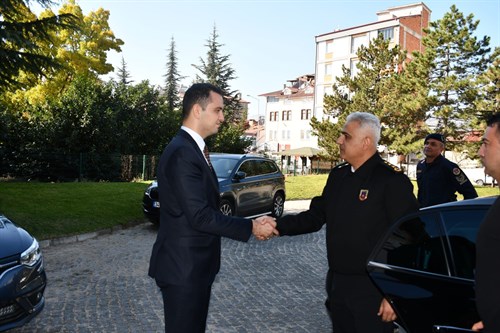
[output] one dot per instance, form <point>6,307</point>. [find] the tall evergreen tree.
<point>373,89</point>
<point>123,74</point>
<point>172,79</point>
<point>490,86</point>
<point>217,70</point>
<point>458,59</point>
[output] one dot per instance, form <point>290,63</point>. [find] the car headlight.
<point>31,256</point>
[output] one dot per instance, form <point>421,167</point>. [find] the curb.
<point>303,204</point>
<point>89,235</point>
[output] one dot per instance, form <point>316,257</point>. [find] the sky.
<point>268,42</point>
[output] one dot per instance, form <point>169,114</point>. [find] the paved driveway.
<point>101,285</point>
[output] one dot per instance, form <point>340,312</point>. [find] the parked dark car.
<point>22,276</point>
<point>425,266</point>
<point>249,185</point>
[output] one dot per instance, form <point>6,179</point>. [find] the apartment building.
<point>289,110</point>
<point>288,113</point>
<point>402,25</point>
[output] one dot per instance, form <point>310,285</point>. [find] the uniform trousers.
<point>354,302</point>
<point>186,308</point>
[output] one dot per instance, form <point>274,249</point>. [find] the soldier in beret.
<point>438,178</point>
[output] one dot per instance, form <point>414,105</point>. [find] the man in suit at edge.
<point>186,255</point>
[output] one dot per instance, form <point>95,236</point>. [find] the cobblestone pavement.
<point>101,285</point>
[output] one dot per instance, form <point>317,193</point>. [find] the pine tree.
<point>376,88</point>
<point>123,74</point>
<point>489,101</point>
<point>217,70</point>
<point>458,59</point>
<point>172,79</point>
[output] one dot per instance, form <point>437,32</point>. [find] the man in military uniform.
<point>438,178</point>
<point>360,201</point>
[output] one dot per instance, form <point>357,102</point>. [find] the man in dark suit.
<point>186,255</point>
<point>488,237</point>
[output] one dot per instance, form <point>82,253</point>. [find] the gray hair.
<point>366,120</point>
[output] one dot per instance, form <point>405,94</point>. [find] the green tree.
<point>327,133</point>
<point>404,105</point>
<point>458,59</point>
<point>123,73</point>
<point>172,79</point>
<point>84,118</point>
<point>82,50</point>
<point>375,88</point>
<point>490,86</point>
<point>217,70</point>
<point>21,37</point>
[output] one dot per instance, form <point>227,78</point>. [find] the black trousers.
<point>353,303</point>
<point>185,308</point>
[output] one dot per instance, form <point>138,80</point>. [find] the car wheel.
<point>480,182</point>
<point>226,207</point>
<point>278,205</point>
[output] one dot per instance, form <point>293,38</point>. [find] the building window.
<point>272,99</point>
<point>387,33</point>
<point>285,134</point>
<point>329,46</point>
<point>305,114</point>
<point>273,116</point>
<point>356,42</point>
<point>286,115</point>
<point>328,69</point>
<point>305,134</point>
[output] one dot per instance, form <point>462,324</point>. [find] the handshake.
<point>264,228</point>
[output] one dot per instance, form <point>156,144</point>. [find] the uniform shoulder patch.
<point>392,166</point>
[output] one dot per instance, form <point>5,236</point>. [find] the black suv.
<point>425,266</point>
<point>249,185</point>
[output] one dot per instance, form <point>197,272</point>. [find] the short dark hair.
<point>494,119</point>
<point>198,93</point>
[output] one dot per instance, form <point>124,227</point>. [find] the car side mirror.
<point>239,175</point>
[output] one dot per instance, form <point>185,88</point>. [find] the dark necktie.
<point>207,156</point>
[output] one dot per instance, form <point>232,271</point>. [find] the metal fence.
<point>48,166</point>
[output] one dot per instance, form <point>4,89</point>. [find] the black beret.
<point>435,136</point>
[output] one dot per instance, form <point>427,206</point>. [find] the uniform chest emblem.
<point>363,195</point>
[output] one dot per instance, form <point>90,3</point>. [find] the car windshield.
<point>223,166</point>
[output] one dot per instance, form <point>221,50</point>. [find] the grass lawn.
<point>49,210</point>
<point>306,187</point>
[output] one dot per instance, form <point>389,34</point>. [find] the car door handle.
<point>449,329</point>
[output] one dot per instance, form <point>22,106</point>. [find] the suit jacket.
<point>188,245</point>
